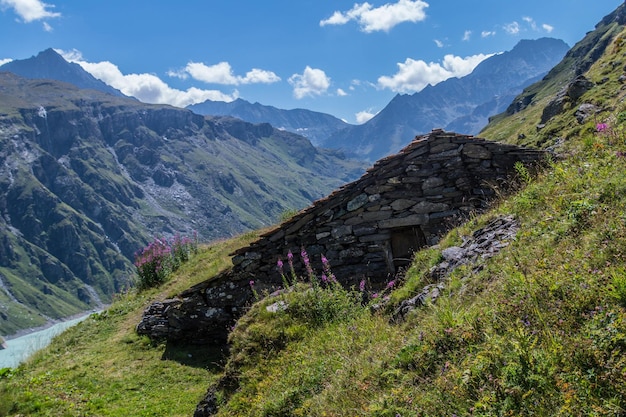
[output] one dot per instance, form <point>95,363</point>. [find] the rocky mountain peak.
<point>49,64</point>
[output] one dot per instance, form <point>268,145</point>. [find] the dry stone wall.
<point>367,229</point>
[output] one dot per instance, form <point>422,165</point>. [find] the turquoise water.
<point>20,348</point>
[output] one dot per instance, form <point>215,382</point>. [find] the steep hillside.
<point>315,126</point>
<point>88,178</point>
<point>458,104</point>
<point>573,96</point>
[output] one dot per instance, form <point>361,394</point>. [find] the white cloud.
<point>47,27</point>
<point>256,75</point>
<point>414,75</point>
<point>512,28</point>
<point>438,43</point>
<point>530,21</point>
<point>337,18</point>
<point>29,10</point>
<point>5,61</point>
<point>341,92</point>
<point>487,33</point>
<point>533,25</point>
<point>364,116</point>
<point>71,56</point>
<point>312,82</point>
<point>515,28</point>
<point>466,35</point>
<point>147,88</point>
<point>360,85</point>
<point>222,73</point>
<point>383,18</point>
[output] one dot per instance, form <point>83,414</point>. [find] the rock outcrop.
<point>367,229</point>
<point>482,244</point>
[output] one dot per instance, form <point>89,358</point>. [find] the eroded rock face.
<point>585,111</point>
<point>367,229</point>
<point>570,94</point>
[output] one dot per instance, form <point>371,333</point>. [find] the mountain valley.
<point>89,178</point>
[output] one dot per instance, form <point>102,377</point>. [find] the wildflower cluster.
<point>612,133</point>
<point>377,297</point>
<point>160,258</point>
<point>182,248</point>
<point>327,299</point>
<point>291,278</point>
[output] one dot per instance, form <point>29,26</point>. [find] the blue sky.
<point>344,58</point>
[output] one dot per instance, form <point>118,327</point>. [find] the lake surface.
<point>20,348</point>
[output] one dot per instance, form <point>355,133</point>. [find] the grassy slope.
<point>101,367</point>
<point>540,330</point>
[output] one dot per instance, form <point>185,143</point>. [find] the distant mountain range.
<point>458,104</point>
<point>315,126</point>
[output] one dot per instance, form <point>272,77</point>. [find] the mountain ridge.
<point>457,104</point>
<point>315,126</point>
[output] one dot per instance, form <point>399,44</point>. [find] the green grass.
<point>540,330</point>
<point>102,368</point>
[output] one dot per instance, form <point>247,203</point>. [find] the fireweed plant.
<point>611,133</point>
<point>324,299</point>
<point>310,303</point>
<point>156,262</point>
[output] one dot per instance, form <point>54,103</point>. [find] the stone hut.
<point>370,228</point>
<point>367,229</point>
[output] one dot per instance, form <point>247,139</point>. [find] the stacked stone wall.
<point>367,229</point>
<point>430,186</point>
